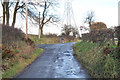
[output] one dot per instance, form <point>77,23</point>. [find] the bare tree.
<point>90,18</point>
<point>7,12</point>
<point>3,5</point>
<point>14,14</point>
<point>6,6</point>
<point>19,7</point>
<point>45,16</point>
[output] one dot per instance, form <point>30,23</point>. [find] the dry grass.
<point>50,39</point>
<point>22,60</point>
<point>17,53</point>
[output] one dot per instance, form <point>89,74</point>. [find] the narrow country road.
<point>56,62</point>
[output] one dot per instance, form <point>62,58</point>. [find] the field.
<point>52,39</point>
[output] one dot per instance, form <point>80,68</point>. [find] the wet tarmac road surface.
<point>57,61</point>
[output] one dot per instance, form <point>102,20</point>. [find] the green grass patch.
<point>19,66</point>
<point>91,56</point>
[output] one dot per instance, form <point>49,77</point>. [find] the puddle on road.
<point>69,67</point>
<point>66,52</point>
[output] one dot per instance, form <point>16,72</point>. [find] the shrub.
<point>118,36</point>
<point>13,38</point>
<point>98,25</point>
<point>10,35</point>
<point>100,36</point>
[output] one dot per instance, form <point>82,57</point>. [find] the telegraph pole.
<point>39,26</point>
<point>26,23</point>
<point>81,28</point>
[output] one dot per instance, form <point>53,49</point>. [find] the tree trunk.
<point>42,30</point>
<point>7,13</point>
<point>90,26</point>
<point>43,15</point>
<point>14,15</point>
<point>3,13</point>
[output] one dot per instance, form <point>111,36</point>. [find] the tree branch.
<point>47,20</point>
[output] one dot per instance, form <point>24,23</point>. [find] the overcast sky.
<point>105,11</point>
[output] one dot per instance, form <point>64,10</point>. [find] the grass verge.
<point>19,66</point>
<point>91,57</point>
